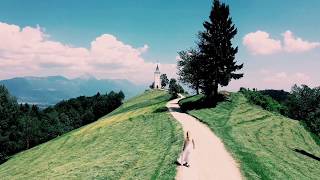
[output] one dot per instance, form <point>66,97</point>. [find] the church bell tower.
<point>157,81</point>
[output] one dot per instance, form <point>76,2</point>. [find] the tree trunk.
<point>213,97</point>
<point>215,92</point>
<point>197,89</point>
<point>28,143</point>
<point>197,86</point>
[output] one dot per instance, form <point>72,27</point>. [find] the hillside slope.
<point>267,145</point>
<point>139,140</point>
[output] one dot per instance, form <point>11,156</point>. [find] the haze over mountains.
<point>45,91</point>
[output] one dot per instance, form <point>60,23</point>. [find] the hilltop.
<point>138,140</point>
<point>267,145</point>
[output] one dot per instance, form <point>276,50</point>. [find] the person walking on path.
<point>188,147</point>
<point>210,160</point>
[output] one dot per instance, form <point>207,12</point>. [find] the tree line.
<point>23,126</point>
<point>302,103</point>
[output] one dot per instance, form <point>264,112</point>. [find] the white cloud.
<point>260,43</point>
<point>29,51</point>
<point>296,44</point>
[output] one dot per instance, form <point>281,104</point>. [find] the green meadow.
<point>263,143</point>
<point>139,140</point>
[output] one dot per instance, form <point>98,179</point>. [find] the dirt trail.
<point>209,160</point>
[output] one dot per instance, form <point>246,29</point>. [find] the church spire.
<point>157,81</point>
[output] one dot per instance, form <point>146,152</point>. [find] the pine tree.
<point>218,54</point>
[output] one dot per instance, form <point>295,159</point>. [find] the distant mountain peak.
<point>86,76</point>
<point>52,89</point>
<point>58,77</point>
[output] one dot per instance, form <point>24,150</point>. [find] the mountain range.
<point>46,91</point>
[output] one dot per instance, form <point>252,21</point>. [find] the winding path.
<point>209,160</point>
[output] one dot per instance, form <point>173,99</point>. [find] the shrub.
<point>265,101</point>
<point>200,101</point>
<point>304,104</point>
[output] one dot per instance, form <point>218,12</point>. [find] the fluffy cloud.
<point>295,44</point>
<point>260,43</point>
<point>29,51</point>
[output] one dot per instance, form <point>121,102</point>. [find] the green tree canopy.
<point>189,68</point>
<point>304,105</point>
<point>164,80</point>
<point>175,88</point>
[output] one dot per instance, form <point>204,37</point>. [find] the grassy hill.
<point>266,144</point>
<point>139,140</point>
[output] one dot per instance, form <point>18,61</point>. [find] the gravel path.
<point>209,160</point>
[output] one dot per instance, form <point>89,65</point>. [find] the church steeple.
<point>157,81</point>
<point>157,69</point>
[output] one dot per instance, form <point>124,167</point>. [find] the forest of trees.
<point>23,126</point>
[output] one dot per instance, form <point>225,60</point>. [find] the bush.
<point>192,102</point>
<point>199,101</point>
<point>279,95</point>
<point>264,101</point>
<point>175,88</point>
<point>304,104</point>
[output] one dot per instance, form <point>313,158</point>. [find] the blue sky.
<point>168,26</point>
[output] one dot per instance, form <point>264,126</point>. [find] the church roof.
<point>157,69</point>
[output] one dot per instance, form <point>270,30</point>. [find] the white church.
<point>157,81</point>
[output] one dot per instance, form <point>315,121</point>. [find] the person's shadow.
<point>177,163</point>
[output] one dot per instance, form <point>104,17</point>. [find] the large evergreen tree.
<point>218,54</point>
